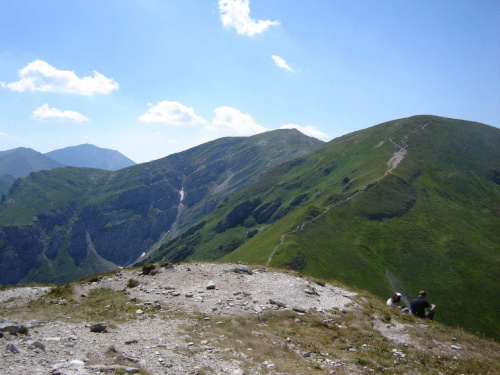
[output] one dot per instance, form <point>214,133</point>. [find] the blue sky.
<point>153,77</point>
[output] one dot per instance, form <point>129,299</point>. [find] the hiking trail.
<point>392,164</point>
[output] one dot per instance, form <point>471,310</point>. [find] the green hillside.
<point>341,213</point>
<point>62,224</point>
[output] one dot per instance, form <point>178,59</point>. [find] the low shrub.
<point>132,283</point>
<point>148,268</point>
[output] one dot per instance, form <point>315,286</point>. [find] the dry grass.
<point>62,302</point>
<point>346,342</point>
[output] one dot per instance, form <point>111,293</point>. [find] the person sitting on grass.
<point>394,300</point>
<point>419,306</point>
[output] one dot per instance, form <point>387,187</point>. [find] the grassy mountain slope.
<point>90,156</point>
<point>60,220</point>
<point>344,213</point>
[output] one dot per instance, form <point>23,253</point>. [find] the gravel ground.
<point>157,341</point>
<point>185,287</point>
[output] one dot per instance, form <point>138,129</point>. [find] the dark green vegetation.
<point>432,223</point>
<point>66,223</point>
<point>90,156</point>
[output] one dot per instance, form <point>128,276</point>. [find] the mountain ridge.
<point>407,224</point>
<point>68,212</point>
<point>409,204</point>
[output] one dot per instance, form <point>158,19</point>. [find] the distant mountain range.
<point>20,162</point>
<point>406,205</point>
<point>90,156</point>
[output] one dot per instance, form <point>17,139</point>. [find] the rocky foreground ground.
<point>219,319</point>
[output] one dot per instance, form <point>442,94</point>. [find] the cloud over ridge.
<point>235,14</point>
<point>309,130</point>
<point>46,113</point>
<point>171,113</point>
<point>41,76</point>
<point>228,118</point>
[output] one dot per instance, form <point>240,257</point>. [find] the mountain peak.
<point>90,156</point>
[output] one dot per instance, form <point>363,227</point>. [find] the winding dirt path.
<point>392,164</point>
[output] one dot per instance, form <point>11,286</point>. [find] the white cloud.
<point>46,113</point>
<point>307,130</point>
<point>227,118</point>
<point>236,14</point>
<point>281,63</point>
<point>40,76</point>
<point>2,134</point>
<point>172,113</point>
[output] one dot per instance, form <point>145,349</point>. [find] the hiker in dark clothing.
<point>420,304</point>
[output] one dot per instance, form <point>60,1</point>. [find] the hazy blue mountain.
<point>90,156</point>
<point>20,162</point>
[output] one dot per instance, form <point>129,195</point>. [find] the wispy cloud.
<point>46,113</point>
<point>227,118</point>
<point>235,14</point>
<point>41,76</point>
<point>307,130</point>
<point>172,113</point>
<point>281,63</point>
<point>2,134</point>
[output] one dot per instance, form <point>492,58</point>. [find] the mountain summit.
<point>90,156</point>
<point>20,162</point>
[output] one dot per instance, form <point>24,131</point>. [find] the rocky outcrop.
<point>237,215</point>
<point>264,213</point>
<point>19,251</point>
